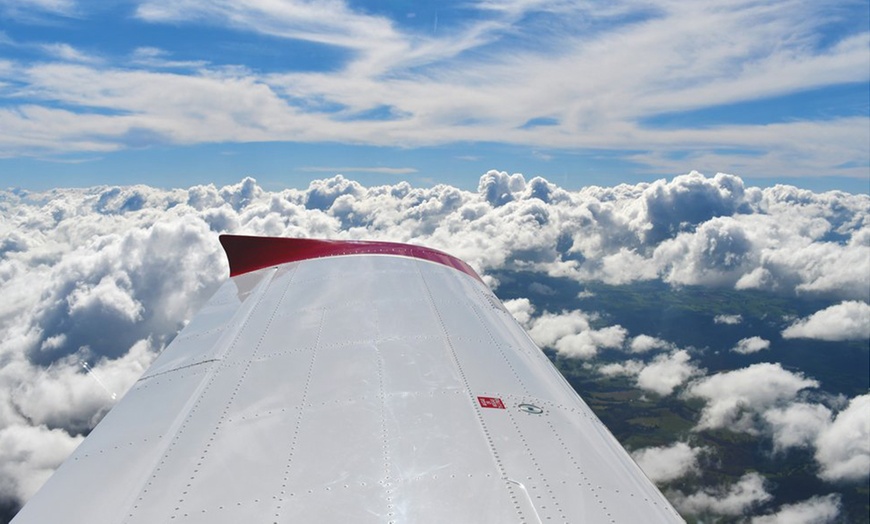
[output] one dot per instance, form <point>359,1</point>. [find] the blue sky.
<point>182,92</point>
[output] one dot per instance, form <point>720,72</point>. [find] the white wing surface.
<point>349,382</point>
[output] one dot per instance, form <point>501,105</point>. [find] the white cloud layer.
<point>849,320</point>
<point>106,276</point>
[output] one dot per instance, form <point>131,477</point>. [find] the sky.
<point>175,93</point>
<point>97,281</point>
<point>617,142</point>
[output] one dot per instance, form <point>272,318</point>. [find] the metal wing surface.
<point>349,382</point>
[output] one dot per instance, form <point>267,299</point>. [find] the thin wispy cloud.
<point>601,77</point>
<point>360,169</point>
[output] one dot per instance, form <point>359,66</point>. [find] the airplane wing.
<point>336,381</point>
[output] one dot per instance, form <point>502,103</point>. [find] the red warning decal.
<point>490,402</point>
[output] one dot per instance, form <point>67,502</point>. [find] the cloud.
<point>29,455</point>
<point>478,80</point>
<point>626,368</point>
<point>666,463</point>
<point>843,448</point>
<point>361,169</point>
<point>735,398</point>
<point>29,10</point>
<point>666,372</point>
<point>156,58</point>
<point>541,289</point>
<point>841,442</point>
<point>571,334</point>
<point>586,344</point>
<point>551,327</point>
<point>797,425</point>
<point>644,343</point>
<point>68,53</point>
<point>521,309</point>
<point>734,500</point>
<point>728,319</point>
<point>816,510</point>
<point>749,345</point>
<point>849,320</point>
<point>662,375</point>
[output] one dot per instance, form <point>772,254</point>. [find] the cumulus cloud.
<point>734,399</point>
<point>571,334</point>
<point>849,320</point>
<point>797,424</point>
<point>626,368</point>
<point>841,443</point>
<point>666,463</point>
<point>587,343</point>
<point>521,309</point>
<point>843,448</point>
<point>733,500</point>
<point>644,343</point>
<point>816,510</point>
<point>662,375</point>
<point>549,328</point>
<point>750,345</point>
<point>106,276</point>
<point>728,319</point>
<point>666,372</point>
<point>29,455</point>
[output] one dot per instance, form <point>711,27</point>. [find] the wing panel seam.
<point>471,398</point>
<point>221,422</point>
<point>177,427</point>
<point>179,368</point>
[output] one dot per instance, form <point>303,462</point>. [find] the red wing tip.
<point>250,253</point>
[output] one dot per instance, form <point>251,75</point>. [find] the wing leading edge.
<point>349,382</point>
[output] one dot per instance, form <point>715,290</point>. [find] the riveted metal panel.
<point>348,389</point>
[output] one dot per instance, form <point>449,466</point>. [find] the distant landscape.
<point>685,317</point>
